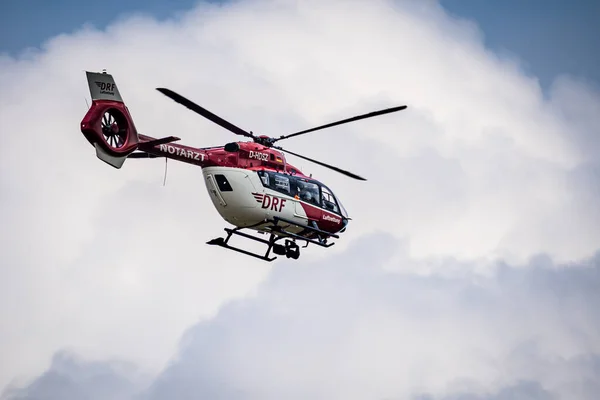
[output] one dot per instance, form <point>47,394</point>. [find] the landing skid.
<point>223,242</point>
<point>278,232</point>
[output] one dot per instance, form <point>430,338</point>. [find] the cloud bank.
<point>481,167</point>
<point>356,331</point>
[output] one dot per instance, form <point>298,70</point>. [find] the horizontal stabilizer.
<point>114,161</point>
<point>156,142</point>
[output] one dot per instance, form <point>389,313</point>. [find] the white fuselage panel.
<point>242,200</point>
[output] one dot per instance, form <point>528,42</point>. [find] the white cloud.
<point>111,264</point>
<point>351,330</point>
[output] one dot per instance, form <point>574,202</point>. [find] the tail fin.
<point>103,87</point>
<point>107,125</point>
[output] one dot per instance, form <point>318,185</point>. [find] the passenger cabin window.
<point>282,183</point>
<point>224,185</point>
<point>264,177</point>
<point>304,189</point>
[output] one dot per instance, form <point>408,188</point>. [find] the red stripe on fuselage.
<point>326,221</point>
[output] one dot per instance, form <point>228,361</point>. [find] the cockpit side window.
<point>307,191</point>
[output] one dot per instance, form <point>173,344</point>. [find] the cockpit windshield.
<point>331,202</point>
<point>342,209</point>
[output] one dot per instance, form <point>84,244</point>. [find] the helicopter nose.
<point>344,225</point>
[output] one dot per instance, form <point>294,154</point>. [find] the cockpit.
<point>308,190</point>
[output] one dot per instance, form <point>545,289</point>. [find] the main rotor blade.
<point>204,112</point>
<point>358,117</point>
<point>341,171</point>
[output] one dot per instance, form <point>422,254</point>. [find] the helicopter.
<point>250,183</point>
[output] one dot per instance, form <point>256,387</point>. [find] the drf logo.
<point>105,87</point>
<point>258,155</point>
<point>270,202</point>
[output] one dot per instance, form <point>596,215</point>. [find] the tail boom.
<point>165,148</point>
<point>108,126</point>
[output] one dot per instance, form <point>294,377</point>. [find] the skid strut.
<point>278,232</point>
<point>322,235</point>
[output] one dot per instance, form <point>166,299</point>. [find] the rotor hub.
<point>264,140</point>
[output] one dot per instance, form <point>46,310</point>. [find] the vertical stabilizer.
<point>103,87</point>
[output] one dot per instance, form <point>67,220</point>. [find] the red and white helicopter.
<point>251,184</point>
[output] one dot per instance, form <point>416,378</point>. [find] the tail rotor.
<point>114,128</point>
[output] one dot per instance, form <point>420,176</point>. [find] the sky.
<point>550,37</point>
<point>470,268</point>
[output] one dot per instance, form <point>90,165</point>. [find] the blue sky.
<point>550,36</point>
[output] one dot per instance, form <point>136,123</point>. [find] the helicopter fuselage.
<point>248,198</point>
<point>249,183</point>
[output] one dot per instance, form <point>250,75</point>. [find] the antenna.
<point>86,103</point>
<point>165,179</point>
